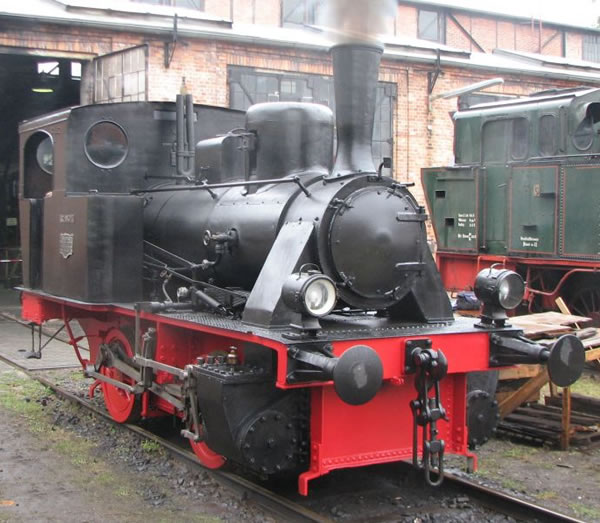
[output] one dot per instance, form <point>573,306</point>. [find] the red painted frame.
<point>458,271</point>
<point>341,435</point>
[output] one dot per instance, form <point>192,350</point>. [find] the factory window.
<point>296,13</point>
<point>432,26</point>
<point>49,68</point>
<point>591,48</point>
<point>190,4</point>
<point>248,86</point>
<point>548,135</point>
<point>121,76</point>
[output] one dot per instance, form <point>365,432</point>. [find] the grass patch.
<point>520,452</point>
<point>23,397</point>
<point>587,386</point>
<point>588,513</point>
<point>547,494</point>
<point>152,447</point>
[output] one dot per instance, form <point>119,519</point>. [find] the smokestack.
<point>355,72</point>
<point>355,27</point>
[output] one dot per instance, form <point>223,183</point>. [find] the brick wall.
<point>423,137</point>
<point>488,31</point>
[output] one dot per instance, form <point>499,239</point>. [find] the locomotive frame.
<point>288,346</point>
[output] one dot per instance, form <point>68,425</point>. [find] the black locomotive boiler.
<point>278,299</point>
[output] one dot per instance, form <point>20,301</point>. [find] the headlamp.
<point>310,293</point>
<point>499,290</point>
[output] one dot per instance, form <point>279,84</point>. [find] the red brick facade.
<point>423,132</point>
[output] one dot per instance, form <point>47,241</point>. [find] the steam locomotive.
<point>280,301</point>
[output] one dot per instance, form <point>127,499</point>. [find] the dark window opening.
<point>248,86</point>
<point>548,135</point>
<point>520,138</point>
<point>300,12</point>
<point>431,26</point>
<point>39,162</point>
<point>583,138</point>
<point>45,155</point>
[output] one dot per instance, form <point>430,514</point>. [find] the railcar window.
<point>44,155</point>
<point>520,138</point>
<point>583,138</point>
<point>548,135</point>
<point>106,144</point>
<point>494,141</point>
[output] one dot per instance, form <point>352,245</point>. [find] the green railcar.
<point>524,192</point>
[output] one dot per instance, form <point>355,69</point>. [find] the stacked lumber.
<point>557,422</point>
<point>579,403</point>
<point>543,424</point>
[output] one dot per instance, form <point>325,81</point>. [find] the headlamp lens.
<point>319,296</point>
<point>510,290</point>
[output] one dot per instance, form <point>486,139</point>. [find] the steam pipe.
<point>184,110</point>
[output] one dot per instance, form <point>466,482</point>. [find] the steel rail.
<point>506,503</point>
<point>275,504</point>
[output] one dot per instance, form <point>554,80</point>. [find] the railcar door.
<point>581,212</point>
<point>452,195</point>
<point>532,212</point>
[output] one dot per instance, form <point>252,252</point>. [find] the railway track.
<point>288,510</point>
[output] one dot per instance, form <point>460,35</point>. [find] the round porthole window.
<point>106,144</point>
<point>44,155</point>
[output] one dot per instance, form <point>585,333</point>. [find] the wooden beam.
<point>466,33</point>
<point>519,397</point>
<point>552,37</point>
<point>519,371</point>
<point>566,418</point>
<point>593,354</point>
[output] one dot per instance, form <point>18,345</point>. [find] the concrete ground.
<point>16,339</point>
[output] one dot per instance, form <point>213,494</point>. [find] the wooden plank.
<point>521,394</point>
<point>592,354</point>
<point>562,307</point>
<point>551,317</point>
<point>566,418</point>
<point>591,342</point>
<point>519,372</point>
<point>549,323</point>
<point>583,404</point>
<point>554,408</point>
